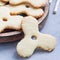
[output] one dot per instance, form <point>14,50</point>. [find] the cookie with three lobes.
<point>26,9</point>
<point>33,38</point>
<point>9,22</point>
<point>34,3</point>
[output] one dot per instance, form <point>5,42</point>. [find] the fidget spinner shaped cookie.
<point>29,11</point>
<point>34,3</point>
<point>9,22</point>
<point>33,38</point>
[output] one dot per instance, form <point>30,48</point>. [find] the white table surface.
<point>52,26</point>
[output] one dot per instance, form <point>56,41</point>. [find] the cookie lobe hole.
<point>27,6</point>
<point>33,37</point>
<point>4,19</point>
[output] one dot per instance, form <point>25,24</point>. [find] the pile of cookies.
<point>11,10</point>
<point>11,18</point>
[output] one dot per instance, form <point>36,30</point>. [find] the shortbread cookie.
<point>33,38</point>
<point>9,22</point>
<point>34,3</point>
<point>27,10</point>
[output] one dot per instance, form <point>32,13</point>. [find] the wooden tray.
<point>17,35</point>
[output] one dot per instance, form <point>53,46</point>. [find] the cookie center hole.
<point>23,14</point>
<point>4,19</point>
<point>27,6</point>
<point>33,37</point>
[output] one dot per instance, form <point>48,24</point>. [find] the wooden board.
<point>17,35</point>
